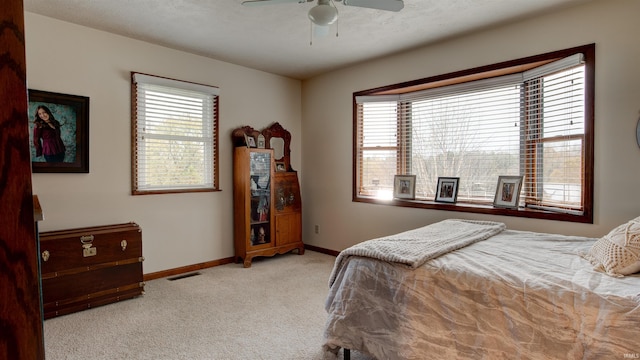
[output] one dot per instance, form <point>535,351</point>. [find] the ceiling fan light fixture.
<point>323,14</point>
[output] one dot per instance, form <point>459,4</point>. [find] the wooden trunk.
<point>88,267</point>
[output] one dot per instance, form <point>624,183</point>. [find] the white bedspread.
<point>516,295</point>
<point>414,247</point>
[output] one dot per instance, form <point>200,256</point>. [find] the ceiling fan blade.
<point>389,5</point>
<point>270,2</point>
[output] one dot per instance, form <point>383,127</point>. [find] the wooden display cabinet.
<point>267,213</point>
<point>256,222</point>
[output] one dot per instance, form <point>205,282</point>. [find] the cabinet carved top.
<point>273,137</point>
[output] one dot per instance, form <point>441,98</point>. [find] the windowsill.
<point>481,209</point>
<point>172,191</point>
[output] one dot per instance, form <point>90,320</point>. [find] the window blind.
<point>529,123</point>
<point>175,140</point>
<point>554,143</point>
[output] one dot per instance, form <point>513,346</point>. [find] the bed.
<point>496,294</point>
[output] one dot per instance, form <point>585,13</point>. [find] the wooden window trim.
<point>134,133</point>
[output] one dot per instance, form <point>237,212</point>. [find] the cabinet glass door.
<point>260,186</point>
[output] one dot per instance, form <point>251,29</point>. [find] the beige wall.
<point>178,229</point>
<point>327,114</point>
<point>185,229</point>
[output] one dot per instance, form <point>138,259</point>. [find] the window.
<point>175,136</point>
<point>531,117</point>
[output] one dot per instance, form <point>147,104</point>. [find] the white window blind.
<point>529,123</point>
<point>175,135</point>
<point>554,142</point>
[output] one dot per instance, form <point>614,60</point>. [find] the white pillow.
<point>618,252</point>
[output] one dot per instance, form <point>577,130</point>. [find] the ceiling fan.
<point>325,12</point>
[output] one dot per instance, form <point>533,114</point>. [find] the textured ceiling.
<point>276,38</point>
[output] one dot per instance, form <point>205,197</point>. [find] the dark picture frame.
<point>447,189</point>
<point>280,166</point>
<point>508,192</point>
<point>404,187</point>
<point>71,128</point>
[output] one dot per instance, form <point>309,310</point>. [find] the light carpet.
<point>273,310</point>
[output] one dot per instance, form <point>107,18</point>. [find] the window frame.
<point>488,71</point>
<point>215,155</point>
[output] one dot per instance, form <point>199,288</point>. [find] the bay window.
<point>530,117</point>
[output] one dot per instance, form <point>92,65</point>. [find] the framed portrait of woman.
<point>58,132</point>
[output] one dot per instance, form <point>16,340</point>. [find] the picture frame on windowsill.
<point>404,187</point>
<point>508,192</point>
<point>447,189</point>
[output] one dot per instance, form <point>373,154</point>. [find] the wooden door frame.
<point>21,328</point>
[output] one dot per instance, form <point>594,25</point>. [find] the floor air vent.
<point>183,276</point>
